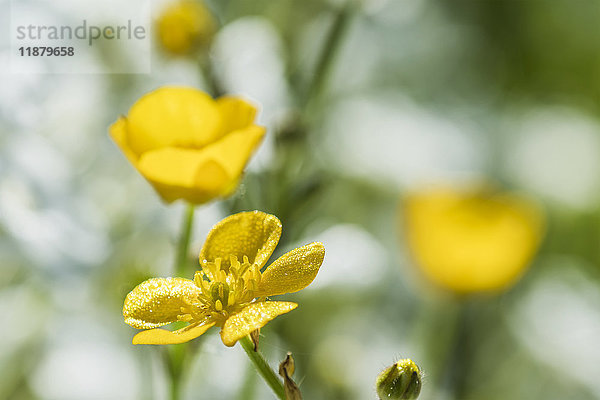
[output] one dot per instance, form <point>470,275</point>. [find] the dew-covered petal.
<point>292,271</point>
<point>158,301</point>
<point>163,336</point>
<point>251,318</point>
<point>253,233</point>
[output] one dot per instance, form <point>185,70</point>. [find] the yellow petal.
<point>118,131</point>
<point>234,149</point>
<point>184,173</point>
<point>468,240</point>
<point>200,175</point>
<point>173,116</point>
<point>292,271</point>
<point>253,233</point>
<point>252,317</point>
<point>163,336</point>
<point>236,113</point>
<point>158,301</point>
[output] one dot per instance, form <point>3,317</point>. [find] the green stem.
<point>175,387</point>
<point>175,357</point>
<point>458,362</point>
<point>208,75</point>
<point>174,360</point>
<point>329,51</point>
<point>291,139</point>
<point>263,368</point>
<point>181,261</point>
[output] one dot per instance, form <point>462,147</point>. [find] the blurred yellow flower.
<point>185,26</point>
<point>229,291</point>
<point>187,145</point>
<point>472,240</point>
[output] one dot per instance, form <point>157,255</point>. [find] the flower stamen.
<point>226,289</point>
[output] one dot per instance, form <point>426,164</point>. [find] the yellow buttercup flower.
<point>230,290</point>
<point>472,240</point>
<point>185,26</point>
<point>187,145</point>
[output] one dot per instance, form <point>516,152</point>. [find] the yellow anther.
<point>234,264</point>
<point>252,284</point>
<point>231,299</point>
<point>198,279</point>
<point>205,287</point>
<point>218,306</point>
<point>211,269</point>
<point>245,266</point>
<point>222,276</point>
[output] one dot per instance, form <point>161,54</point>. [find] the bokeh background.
<point>414,92</point>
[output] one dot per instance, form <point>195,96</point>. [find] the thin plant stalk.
<point>207,72</point>
<point>329,51</point>
<point>175,361</point>
<point>176,355</point>
<point>263,368</point>
<point>183,245</point>
<point>459,355</point>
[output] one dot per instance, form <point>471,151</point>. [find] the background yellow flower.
<point>471,240</point>
<point>187,145</point>
<point>185,26</point>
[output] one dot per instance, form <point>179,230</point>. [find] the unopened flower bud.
<point>401,381</point>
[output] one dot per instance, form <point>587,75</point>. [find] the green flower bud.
<point>401,381</point>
